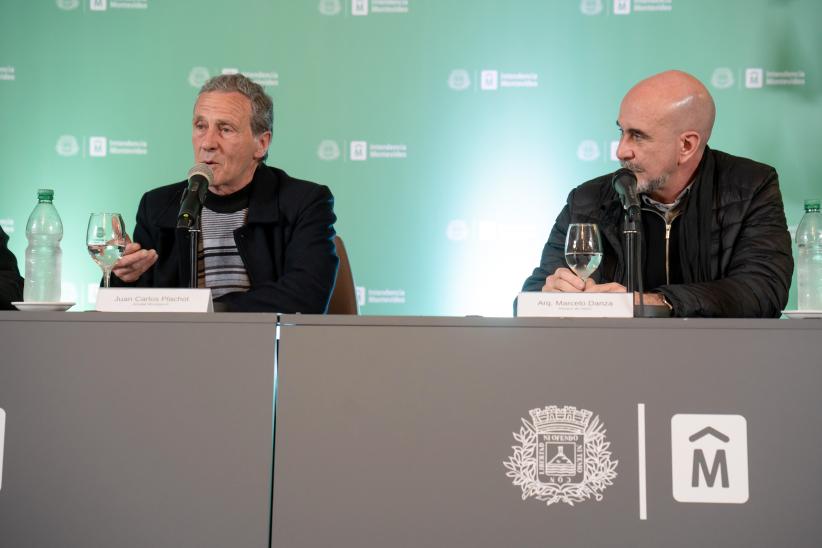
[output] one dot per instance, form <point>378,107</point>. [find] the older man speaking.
<point>267,239</point>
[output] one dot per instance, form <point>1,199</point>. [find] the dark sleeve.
<point>11,284</point>
<point>758,276</point>
<point>553,254</point>
<point>309,267</point>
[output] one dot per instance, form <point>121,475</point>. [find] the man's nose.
<point>209,140</point>
<point>624,151</point>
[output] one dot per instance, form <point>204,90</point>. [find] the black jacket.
<point>286,244</point>
<point>734,245</point>
<point>11,284</point>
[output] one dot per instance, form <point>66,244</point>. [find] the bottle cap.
<point>812,205</point>
<point>45,194</point>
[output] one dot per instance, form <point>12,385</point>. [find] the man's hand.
<point>654,299</point>
<point>563,280</point>
<point>610,287</point>
<point>134,262</point>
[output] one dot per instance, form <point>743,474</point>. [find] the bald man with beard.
<point>715,241</point>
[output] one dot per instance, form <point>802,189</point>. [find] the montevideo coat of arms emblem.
<point>562,456</point>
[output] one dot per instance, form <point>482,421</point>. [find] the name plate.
<point>575,305</point>
<point>129,299</point>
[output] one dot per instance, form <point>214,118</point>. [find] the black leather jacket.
<point>733,240</point>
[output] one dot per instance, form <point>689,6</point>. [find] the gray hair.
<point>262,108</point>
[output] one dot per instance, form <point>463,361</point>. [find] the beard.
<point>649,186</point>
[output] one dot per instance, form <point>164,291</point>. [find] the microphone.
<point>199,177</point>
<point>624,183</point>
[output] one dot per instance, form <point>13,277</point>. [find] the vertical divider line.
<point>640,426</point>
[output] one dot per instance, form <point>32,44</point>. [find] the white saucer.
<point>803,314</point>
<point>37,306</point>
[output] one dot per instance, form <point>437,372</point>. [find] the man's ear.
<point>689,144</point>
<point>263,140</point>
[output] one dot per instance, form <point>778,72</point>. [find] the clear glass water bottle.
<point>809,261</point>
<point>44,231</point>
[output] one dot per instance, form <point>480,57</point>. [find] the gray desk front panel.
<point>136,430</point>
<point>393,432</point>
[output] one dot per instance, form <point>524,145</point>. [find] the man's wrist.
<point>665,301</point>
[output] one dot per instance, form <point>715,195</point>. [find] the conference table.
<point>297,430</point>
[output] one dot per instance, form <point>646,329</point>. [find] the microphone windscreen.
<point>621,174</point>
<point>201,170</point>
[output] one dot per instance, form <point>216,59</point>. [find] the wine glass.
<point>106,239</point>
<point>583,249</point>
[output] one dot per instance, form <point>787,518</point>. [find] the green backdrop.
<point>450,131</point>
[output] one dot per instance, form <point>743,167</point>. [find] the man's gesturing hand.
<point>134,262</point>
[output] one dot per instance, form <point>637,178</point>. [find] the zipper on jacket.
<point>668,218</point>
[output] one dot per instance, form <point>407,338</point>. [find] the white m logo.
<point>720,467</point>
<point>709,458</point>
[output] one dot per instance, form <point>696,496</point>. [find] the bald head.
<point>678,102</point>
<point>666,121</point>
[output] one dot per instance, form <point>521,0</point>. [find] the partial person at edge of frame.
<point>11,284</point>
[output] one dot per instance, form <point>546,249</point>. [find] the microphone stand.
<point>194,240</point>
<point>633,255</point>
<point>190,222</point>
<point>633,265</point>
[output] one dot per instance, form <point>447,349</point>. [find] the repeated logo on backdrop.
<point>102,5</point>
<point>759,77</point>
<point>491,80</point>
<point>8,74</point>
<point>590,7</point>
<point>198,76</point>
<point>380,296</point>
<point>756,78</point>
<point>328,150</point>
<point>722,78</point>
<point>590,150</point>
<point>67,145</point>
<point>367,296</point>
<point>330,7</point>
<point>99,146</point>
<point>362,150</point>
<point>360,8</point>
<point>68,5</point>
<point>359,151</point>
<point>624,7</point>
<point>459,80</point>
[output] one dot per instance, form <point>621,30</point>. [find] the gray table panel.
<point>392,432</point>
<point>136,430</point>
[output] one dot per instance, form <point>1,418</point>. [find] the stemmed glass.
<point>106,239</point>
<point>583,249</point>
